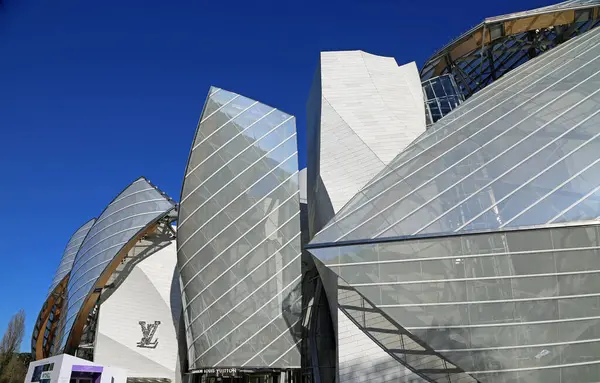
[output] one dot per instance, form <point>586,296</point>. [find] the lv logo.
<point>148,331</point>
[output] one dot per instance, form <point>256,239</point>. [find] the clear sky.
<point>94,94</point>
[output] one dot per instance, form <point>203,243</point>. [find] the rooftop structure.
<point>499,44</point>
<point>480,239</point>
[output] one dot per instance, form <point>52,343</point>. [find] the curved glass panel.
<point>129,213</point>
<point>66,263</point>
<point>518,306</point>
<point>239,237</point>
<point>64,268</point>
<point>500,44</point>
<point>522,153</point>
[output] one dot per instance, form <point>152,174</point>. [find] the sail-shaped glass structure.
<point>500,44</point>
<point>118,228</point>
<point>481,238</point>
<point>239,237</point>
<point>49,320</point>
<point>521,152</point>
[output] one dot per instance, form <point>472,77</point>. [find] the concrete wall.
<point>371,109</point>
<point>362,360</point>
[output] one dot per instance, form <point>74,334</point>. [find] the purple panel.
<point>87,368</point>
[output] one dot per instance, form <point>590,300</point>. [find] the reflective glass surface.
<point>441,97</point>
<point>64,268</point>
<point>423,363</point>
<point>521,152</point>
<point>502,306</point>
<point>66,262</point>
<point>239,236</point>
<point>499,44</point>
<point>128,214</point>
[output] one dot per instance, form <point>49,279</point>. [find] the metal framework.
<point>400,344</point>
<point>47,322</point>
<point>499,44</point>
<point>84,325</point>
<point>52,315</point>
<point>157,237</point>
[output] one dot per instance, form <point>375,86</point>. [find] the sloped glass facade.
<point>66,262</point>
<point>239,237</point>
<point>126,216</point>
<point>501,44</point>
<point>441,97</point>
<point>512,306</point>
<point>521,152</point>
<point>50,316</point>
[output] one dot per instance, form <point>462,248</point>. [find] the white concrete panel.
<point>371,109</point>
<point>150,293</point>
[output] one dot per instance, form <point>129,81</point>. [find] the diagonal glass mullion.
<point>271,322</point>
<point>285,353</point>
<point>241,236</point>
<point>450,209</point>
<point>486,101</point>
<point>233,200</point>
<point>556,188</point>
<point>347,214</point>
<point>488,162</point>
<point>244,321</point>
<point>204,139</point>
<point>248,296</point>
<point>284,332</point>
<point>574,204</point>
<point>231,181</point>
<point>537,175</point>
<point>220,107</point>
<point>241,193</point>
<point>228,162</point>
<point>228,141</point>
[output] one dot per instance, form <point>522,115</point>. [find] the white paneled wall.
<point>371,109</point>
<point>149,294</point>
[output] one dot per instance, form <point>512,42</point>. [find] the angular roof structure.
<point>499,44</point>
<point>520,153</point>
<point>131,214</point>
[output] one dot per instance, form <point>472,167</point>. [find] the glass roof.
<point>66,262</point>
<point>500,44</point>
<point>522,152</point>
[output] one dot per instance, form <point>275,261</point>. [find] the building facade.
<point>239,248</point>
<point>445,229</point>
<point>362,110</point>
<point>115,299</point>
<point>478,237</point>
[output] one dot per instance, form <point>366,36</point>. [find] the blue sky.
<point>94,94</point>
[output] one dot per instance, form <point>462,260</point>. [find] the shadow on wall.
<point>381,372</point>
<point>291,309</point>
<point>122,274</point>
